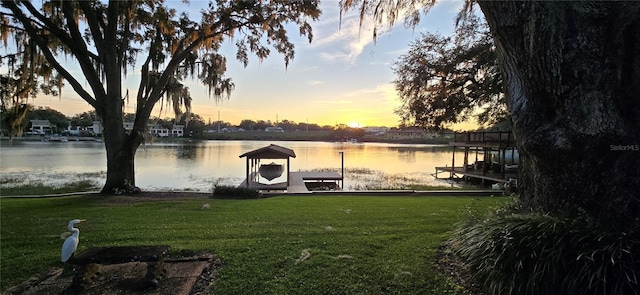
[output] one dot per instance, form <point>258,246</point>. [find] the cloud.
<point>345,41</point>
<point>384,94</point>
<point>315,82</point>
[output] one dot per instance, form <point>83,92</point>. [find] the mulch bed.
<point>451,266</point>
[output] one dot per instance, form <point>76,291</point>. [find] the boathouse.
<point>488,156</point>
<point>259,175</point>
<point>264,174</point>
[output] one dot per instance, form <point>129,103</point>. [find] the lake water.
<point>199,165</point>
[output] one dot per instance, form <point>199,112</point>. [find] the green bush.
<point>532,253</point>
<point>233,192</point>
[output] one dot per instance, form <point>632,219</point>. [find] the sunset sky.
<point>342,77</point>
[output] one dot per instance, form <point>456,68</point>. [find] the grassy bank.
<point>42,189</point>
<point>279,245</point>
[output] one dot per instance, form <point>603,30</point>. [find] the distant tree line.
<point>195,125</point>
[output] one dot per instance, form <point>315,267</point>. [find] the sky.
<point>342,77</point>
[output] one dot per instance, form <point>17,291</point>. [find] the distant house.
<point>128,126</point>
<point>377,130</point>
<point>177,130</point>
<point>41,127</point>
<point>231,129</point>
<point>154,129</point>
<point>96,127</point>
<point>158,130</point>
<point>409,133</point>
<point>273,129</point>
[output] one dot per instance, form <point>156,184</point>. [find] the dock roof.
<point>271,151</point>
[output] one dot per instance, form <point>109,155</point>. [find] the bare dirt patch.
<point>451,266</point>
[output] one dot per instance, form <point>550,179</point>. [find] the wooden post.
<point>342,166</point>
<point>288,171</point>
<point>504,161</point>
<point>476,148</point>
<point>484,163</point>
<point>453,162</point>
<point>247,170</point>
<point>466,159</point>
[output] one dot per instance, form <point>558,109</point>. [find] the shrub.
<point>233,192</point>
<point>533,253</point>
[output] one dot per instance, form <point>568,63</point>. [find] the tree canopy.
<point>95,34</point>
<point>451,79</point>
<point>27,74</point>
<point>106,40</point>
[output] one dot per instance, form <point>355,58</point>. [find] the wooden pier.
<point>296,183</point>
<point>459,173</point>
<point>490,163</point>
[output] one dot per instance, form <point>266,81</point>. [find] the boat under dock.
<point>296,182</point>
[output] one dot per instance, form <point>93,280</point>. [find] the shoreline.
<point>319,136</point>
<point>194,194</point>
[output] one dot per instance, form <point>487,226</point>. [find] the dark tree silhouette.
<point>106,39</point>
<point>572,78</point>
<point>444,80</point>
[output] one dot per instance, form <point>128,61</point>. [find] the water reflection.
<point>199,165</point>
<point>187,152</point>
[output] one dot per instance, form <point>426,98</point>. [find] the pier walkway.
<point>296,182</point>
<point>459,172</point>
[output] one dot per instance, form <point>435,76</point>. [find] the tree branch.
<point>42,44</point>
<point>79,42</point>
<point>86,65</point>
<point>45,22</point>
<point>94,26</point>
<point>112,26</point>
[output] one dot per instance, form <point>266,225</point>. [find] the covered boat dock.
<point>269,177</point>
<point>495,154</point>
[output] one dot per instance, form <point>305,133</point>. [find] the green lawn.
<point>357,245</point>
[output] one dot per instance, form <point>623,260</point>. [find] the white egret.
<point>71,243</point>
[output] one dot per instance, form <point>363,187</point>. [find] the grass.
<point>279,245</point>
<point>42,189</point>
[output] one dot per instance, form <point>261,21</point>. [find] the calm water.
<point>198,165</point>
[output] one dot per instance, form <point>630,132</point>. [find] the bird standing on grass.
<point>71,243</point>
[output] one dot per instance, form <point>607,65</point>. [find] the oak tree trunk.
<point>572,71</point>
<point>120,164</point>
<point>120,146</point>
